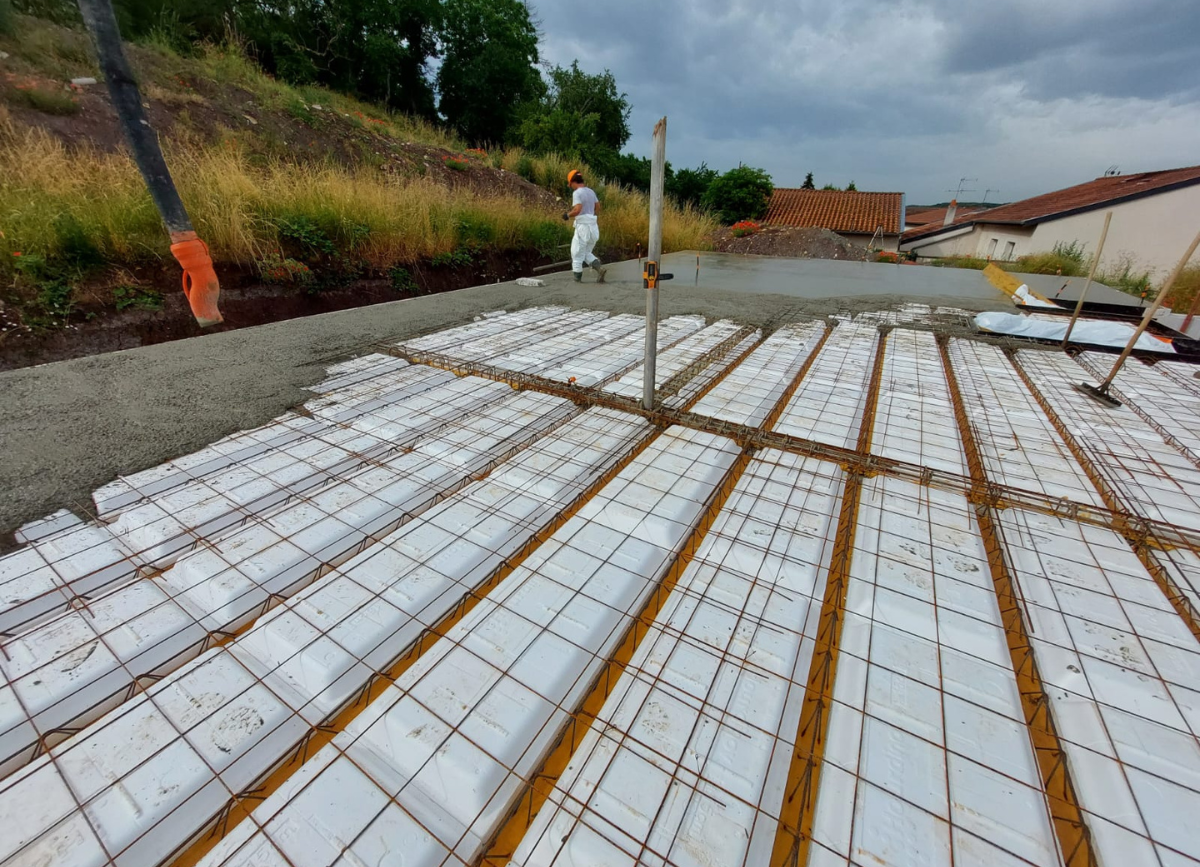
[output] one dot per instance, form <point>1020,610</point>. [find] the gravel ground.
<point>791,242</point>
<point>69,427</point>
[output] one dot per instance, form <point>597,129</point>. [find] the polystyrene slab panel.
<point>753,388</point>
<point>599,365</point>
<point>914,418</point>
<point>675,359</point>
<point>30,591</point>
<point>39,529</point>
<point>712,372</point>
<point>927,736</point>
<point>681,754</point>
<point>41,824</point>
<point>154,772</point>
<point>1124,671</point>
<point>1016,440</point>
<point>457,782</point>
<point>74,668</point>
<point>827,406</point>
<point>1151,477</point>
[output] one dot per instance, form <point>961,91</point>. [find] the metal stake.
<point>1091,274</point>
<point>1101,392</point>
<point>653,255</point>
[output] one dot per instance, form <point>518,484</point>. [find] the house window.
<point>992,248</point>
<point>1008,250</point>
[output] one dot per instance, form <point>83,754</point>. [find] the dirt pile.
<point>792,243</point>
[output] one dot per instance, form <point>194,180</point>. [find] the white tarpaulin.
<point>1095,332</point>
<point>1025,298</point>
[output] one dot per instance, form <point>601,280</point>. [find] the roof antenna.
<point>960,189</point>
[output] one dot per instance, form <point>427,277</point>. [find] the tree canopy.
<point>739,194</point>
<point>489,66</point>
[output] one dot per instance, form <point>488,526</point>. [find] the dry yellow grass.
<point>52,197</point>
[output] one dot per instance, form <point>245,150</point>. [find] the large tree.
<point>489,66</point>
<point>583,116</point>
<point>740,194</point>
<point>689,185</point>
<point>375,49</point>
<point>576,92</point>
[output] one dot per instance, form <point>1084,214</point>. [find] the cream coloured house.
<point>1155,217</point>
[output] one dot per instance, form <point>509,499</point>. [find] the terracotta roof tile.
<point>1082,197</point>
<point>929,216</point>
<point>837,210</point>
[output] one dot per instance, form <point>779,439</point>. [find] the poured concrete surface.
<point>68,427</point>
<point>826,278</point>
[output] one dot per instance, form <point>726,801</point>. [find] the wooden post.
<point>653,255</point>
<point>1187,320</point>
<point>1091,274</point>
<point>1150,311</point>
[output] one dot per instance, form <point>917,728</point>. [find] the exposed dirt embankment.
<point>245,301</point>
<point>790,243</point>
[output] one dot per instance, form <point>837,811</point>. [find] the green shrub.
<point>304,236</point>
<point>456,258</point>
<point>547,236</point>
<point>526,169</point>
<point>402,280</point>
<point>739,194</point>
<point>1183,293</point>
<point>8,21</point>
<point>475,230</point>
<point>48,100</point>
<point>974,263</point>
<point>137,296</point>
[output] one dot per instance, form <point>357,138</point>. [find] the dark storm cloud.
<point>902,94</point>
<point>1146,49</point>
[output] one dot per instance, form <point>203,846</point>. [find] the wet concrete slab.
<point>821,278</point>
<point>71,426</point>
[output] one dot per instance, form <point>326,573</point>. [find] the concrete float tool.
<point>1100,393</point>
<point>200,284</point>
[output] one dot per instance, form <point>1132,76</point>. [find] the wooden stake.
<point>1091,274</point>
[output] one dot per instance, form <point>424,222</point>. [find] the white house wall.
<point>1152,232</point>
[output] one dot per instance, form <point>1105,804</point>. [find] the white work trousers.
<point>587,233</point>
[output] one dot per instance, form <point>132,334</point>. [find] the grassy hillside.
<point>298,186</point>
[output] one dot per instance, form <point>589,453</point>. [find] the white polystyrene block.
<point>71,670</point>
<point>146,787</point>
<point>86,558</point>
<point>30,590</point>
<point>284,648</point>
<point>41,824</point>
<point>18,737</point>
<point>34,530</point>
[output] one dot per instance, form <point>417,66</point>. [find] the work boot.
<point>578,275</point>
<point>600,270</point>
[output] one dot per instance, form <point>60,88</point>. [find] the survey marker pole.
<point>1100,392</point>
<point>651,275</point>
<point>1091,275</point>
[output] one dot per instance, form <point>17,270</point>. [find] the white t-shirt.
<point>585,197</point>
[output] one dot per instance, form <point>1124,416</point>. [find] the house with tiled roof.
<point>1155,216</point>
<point>859,216</point>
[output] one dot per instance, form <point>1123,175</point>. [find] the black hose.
<point>127,100</point>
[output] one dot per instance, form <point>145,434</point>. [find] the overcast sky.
<point>910,95</point>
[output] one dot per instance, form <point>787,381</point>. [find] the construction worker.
<point>584,208</point>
